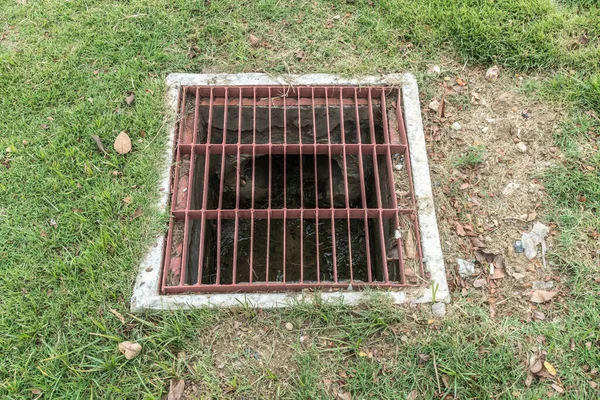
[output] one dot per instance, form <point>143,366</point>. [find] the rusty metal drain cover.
<point>279,188</point>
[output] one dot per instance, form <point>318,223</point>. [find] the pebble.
<point>519,247</point>
<point>485,129</point>
<point>434,70</point>
<point>456,126</point>
<point>438,310</point>
<point>492,73</point>
<point>522,147</point>
<point>542,285</point>
<point>465,267</point>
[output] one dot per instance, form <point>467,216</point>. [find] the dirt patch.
<point>488,150</point>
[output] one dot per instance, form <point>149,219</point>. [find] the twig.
<point>442,102</point>
<point>437,377</point>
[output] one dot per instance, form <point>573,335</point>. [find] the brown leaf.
<point>409,245</point>
<point>300,55</point>
<point>558,388</point>
<point>344,396</point>
<point>572,345</point>
<point>96,139</point>
<point>460,231</point>
<point>593,384</point>
<point>127,200</point>
<point>461,82</point>
<point>118,315</point>
<point>36,391</point>
<point>176,388</point>
<point>412,395</point>
<point>130,99</point>
<point>529,379</point>
<point>476,242</point>
<point>138,213</point>
<point>542,296</point>
<point>540,316</point>
<point>129,349</point>
<point>477,283</point>
<point>498,273</point>
<point>122,143</point>
<point>253,40</point>
<point>537,366</point>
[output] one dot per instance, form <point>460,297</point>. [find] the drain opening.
<point>279,188</point>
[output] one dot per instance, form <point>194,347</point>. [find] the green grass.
<point>472,157</point>
<point>65,69</point>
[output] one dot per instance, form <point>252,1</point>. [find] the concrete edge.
<point>430,236</point>
<point>146,297</point>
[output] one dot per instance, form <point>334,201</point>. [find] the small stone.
<point>517,275</point>
<point>336,17</point>
<point>434,105</point>
<point>485,129</point>
<point>434,70</point>
<point>522,147</point>
<point>492,73</point>
<point>519,247</point>
<point>289,326</point>
<point>510,188</point>
<point>438,310</point>
<point>398,167</point>
<point>465,268</point>
<point>456,126</point>
<point>542,285</point>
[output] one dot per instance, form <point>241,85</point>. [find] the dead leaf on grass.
<point>253,40</point>
<point>299,55</point>
<point>344,396</point>
<point>460,231</point>
<point>558,388</point>
<point>412,395</point>
<point>461,82</point>
<point>122,143</point>
<point>289,326</point>
<point>130,99</point>
<point>176,388</point>
<point>100,145</point>
<point>127,200</point>
<point>118,315</point>
<point>138,213</point>
<point>542,296</point>
<point>550,368</point>
<point>129,349</point>
<point>477,283</point>
<point>409,245</point>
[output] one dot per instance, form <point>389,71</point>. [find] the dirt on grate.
<point>486,182</point>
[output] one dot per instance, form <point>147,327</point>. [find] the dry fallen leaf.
<point>409,245</point>
<point>118,315</point>
<point>344,396</point>
<point>138,213</point>
<point>412,395</point>
<point>122,143</point>
<point>127,200</point>
<point>477,283</point>
<point>176,388</point>
<point>129,99</point>
<point>289,326</point>
<point>542,296</point>
<point>129,349</point>
<point>253,40</point>
<point>96,139</point>
<point>550,368</point>
<point>558,388</point>
<point>460,231</point>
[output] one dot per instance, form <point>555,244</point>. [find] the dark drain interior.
<point>286,189</point>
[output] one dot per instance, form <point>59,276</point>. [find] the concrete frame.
<point>146,295</point>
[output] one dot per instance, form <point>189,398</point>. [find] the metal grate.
<point>288,188</point>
